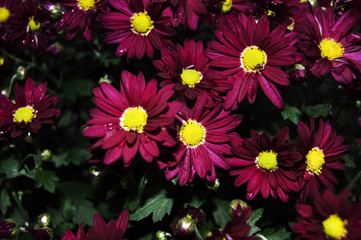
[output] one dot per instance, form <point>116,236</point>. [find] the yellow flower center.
<point>224,6</point>
<point>292,25</point>
<point>33,25</point>
<point>134,118</point>
<point>267,160</point>
<point>192,133</point>
<point>271,13</point>
<point>315,160</point>
<point>86,4</point>
<point>142,23</point>
<point>25,114</point>
<point>334,227</point>
<point>190,77</point>
<point>4,15</point>
<point>2,60</point>
<point>253,59</point>
<point>331,49</point>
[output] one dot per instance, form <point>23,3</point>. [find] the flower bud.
<point>297,73</point>
<point>41,233</point>
<point>185,226</point>
<point>358,104</point>
<point>8,229</point>
<point>28,138</point>
<point>46,155</point>
<point>95,172</point>
<point>161,235</point>
<point>105,79</point>
<point>2,60</point>
<point>236,207</point>
<point>21,72</point>
<point>214,185</point>
<point>44,220</point>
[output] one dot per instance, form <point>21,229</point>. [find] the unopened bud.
<point>41,233</point>
<point>28,138</point>
<point>105,79</point>
<point>55,10</point>
<point>46,155</point>
<point>44,220</point>
<point>214,185</point>
<point>8,229</point>
<point>161,235</point>
<point>236,207</point>
<point>185,226</point>
<point>95,172</point>
<point>21,72</point>
<point>358,103</point>
<point>297,73</point>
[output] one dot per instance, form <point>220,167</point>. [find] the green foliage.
<point>4,200</point>
<point>318,110</point>
<point>46,179</point>
<point>220,213</point>
<point>256,215</point>
<point>159,205</point>
<point>273,234</point>
<point>291,113</point>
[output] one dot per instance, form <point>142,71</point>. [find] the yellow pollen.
<point>190,77</point>
<point>331,49</point>
<point>334,227</point>
<point>224,6</point>
<point>4,14</point>
<point>292,25</point>
<point>315,160</point>
<point>192,133</point>
<point>25,114</point>
<point>267,160</point>
<point>271,13</point>
<point>141,23</point>
<point>2,60</point>
<point>86,4</point>
<point>134,118</point>
<point>34,25</point>
<point>253,59</point>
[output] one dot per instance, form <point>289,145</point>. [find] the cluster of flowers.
<point>191,112</point>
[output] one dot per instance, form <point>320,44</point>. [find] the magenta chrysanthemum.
<point>329,44</point>
<point>250,54</point>
<point>321,150</point>
<point>186,70</point>
<point>32,108</point>
<point>113,230</point>
<point>267,165</point>
<point>132,119</point>
<point>187,12</point>
<point>203,142</point>
<point>79,15</point>
<point>329,217</point>
<point>138,26</point>
<point>70,236</point>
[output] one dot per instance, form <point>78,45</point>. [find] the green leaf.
<point>46,179</point>
<point>273,234</point>
<point>64,119</point>
<point>158,205</point>
<point>68,210</point>
<point>78,88</point>
<point>132,201</point>
<point>291,113</point>
<point>4,201</point>
<point>256,215</point>
<point>320,110</point>
<point>85,212</point>
<point>10,167</point>
<point>220,214</point>
<point>61,228</point>
<point>349,161</point>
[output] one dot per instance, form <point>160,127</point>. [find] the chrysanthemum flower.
<point>7,10</point>
<point>203,142</point>
<point>321,149</point>
<point>31,25</point>
<point>111,230</point>
<point>329,45</point>
<point>70,236</point>
<point>187,12</point>
<point>220,10</point>
<point>138,26</point>
<point>186,70</point>
<point>31,109</point>
<point>329,217</point>
<point>236,229</point>
<point>132,119</point>
<point>247,51</point>
<point>79,16</point>
<point>267,165</point>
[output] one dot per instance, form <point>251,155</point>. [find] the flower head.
<point>113,230</point>
<point>329,45</point>
<point>79,15</point>
<point>8,229</point>
<point>187,12</point>
<point>186,70</point>
<point>203,142</point>
<point>266,164</point>
<point>321,150</point>
<point>32,108</point>
<point>138,26</point>
<point>328,217</point>
<point>132,119</point>
<point>252,58</point>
